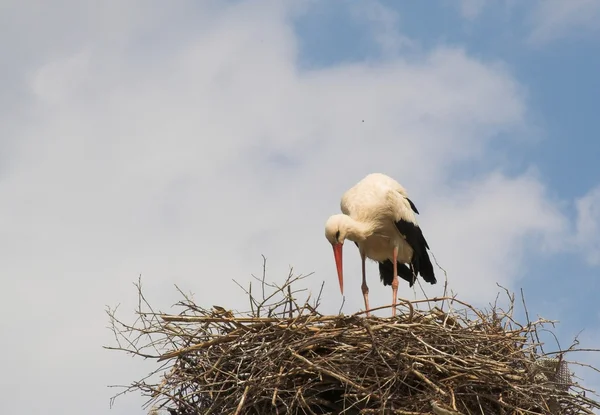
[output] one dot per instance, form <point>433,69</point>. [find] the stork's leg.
<point>395,282</point>
<point>364,287</point>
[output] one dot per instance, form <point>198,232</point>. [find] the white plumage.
<point>380,218</point>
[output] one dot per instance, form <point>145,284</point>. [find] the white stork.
<point>379,218</point>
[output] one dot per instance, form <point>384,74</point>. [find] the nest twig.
<point>284,357</point>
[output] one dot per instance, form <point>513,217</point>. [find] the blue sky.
<point>563,94</point>
<point>560,76</point>
<point>183,142</point>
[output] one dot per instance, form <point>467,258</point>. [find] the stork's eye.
<point>337,236</point>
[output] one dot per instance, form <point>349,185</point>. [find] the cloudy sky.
<point>181,141</point>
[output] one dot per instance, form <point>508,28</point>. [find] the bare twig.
<point>284,357</point>
<point>445,278</point>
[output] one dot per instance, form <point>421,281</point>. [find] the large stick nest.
<point>286,358</point>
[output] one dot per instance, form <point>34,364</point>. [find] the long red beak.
<point>337,253</point>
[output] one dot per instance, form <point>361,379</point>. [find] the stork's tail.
<point>386,272</point>
<point>421,265</point>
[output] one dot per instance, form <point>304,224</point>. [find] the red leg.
<point>364,287</point>
<point>395,283</point>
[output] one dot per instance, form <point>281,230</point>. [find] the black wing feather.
<point>421,263</point>
<point>412,205</point>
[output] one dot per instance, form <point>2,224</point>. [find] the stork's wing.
<point>402,208</point>
<point>406,223</point>
<point>413,235</point>
<point>346,204</point>
<point>412,205</point>
<point>387,181</point>
<point>400,189</point>
<point>373,190</point>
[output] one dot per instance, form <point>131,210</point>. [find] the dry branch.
<point>287,358</point>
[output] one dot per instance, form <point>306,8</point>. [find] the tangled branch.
<point>284,357</point>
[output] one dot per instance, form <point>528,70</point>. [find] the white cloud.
<point>482,231</point>
<point>384,23</point>
<point>470,9</point>
<point>187,159</point>
<point>553,19</point>
<point>547,20</point>
<point>588,226</point>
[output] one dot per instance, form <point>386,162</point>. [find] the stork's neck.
<point>358,231</point>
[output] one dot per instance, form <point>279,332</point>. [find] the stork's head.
<point>337,228</point>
